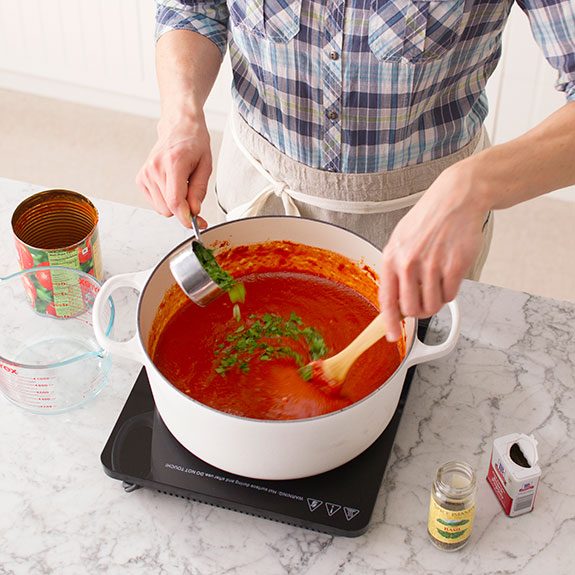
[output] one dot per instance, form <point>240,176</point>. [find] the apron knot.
<point>256,205</point>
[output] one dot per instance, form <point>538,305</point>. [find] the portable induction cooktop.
<point>142,452</point>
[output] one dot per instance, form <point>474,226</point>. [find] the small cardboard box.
<point>514,473</point>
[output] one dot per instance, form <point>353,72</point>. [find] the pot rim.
<point>252,420</point>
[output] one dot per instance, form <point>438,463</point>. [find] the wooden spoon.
<point>330,373</point>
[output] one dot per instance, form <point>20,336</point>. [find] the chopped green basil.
<point>236,312</point>
<point>213,269</point>
<point>259,338</point>
<point>236,290</point>
<point>306,372</point>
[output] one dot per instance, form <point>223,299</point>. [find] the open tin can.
<point>56,228</point>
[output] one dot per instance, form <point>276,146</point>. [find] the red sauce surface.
<point>183,347</point>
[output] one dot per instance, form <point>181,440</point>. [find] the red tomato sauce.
<point>184,346</point>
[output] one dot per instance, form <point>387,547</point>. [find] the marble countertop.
<point>512,371</point>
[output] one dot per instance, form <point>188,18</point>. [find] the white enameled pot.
<point>261,448</point>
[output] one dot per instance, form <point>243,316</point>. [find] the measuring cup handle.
<point>130,348</point>
<point>422,352</point>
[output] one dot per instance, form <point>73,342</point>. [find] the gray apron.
<point>254,178</point>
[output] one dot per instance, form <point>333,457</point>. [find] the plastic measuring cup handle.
<point>130,348</point>
<point>421,352</point>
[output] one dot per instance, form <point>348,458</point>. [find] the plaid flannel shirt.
<point>368,85</point>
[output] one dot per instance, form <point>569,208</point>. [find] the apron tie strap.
<point>255,206</point>
<point>289,196</point>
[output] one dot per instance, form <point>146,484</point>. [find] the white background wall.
<point>101,53</point>
<point>96,52</point>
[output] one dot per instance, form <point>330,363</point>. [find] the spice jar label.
<point>447,526</point>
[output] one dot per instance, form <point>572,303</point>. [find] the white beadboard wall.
<point>101,53</point>
<point>96,52</point>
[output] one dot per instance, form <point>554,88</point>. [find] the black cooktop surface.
<point>142,452</point>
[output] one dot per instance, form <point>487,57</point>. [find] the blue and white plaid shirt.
<point>368,85</point>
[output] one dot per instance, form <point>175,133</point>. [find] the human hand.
<point>432,248</point>
<point>175,175</point>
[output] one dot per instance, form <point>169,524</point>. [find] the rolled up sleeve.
<point>553,26</point>
<point>208,18</point>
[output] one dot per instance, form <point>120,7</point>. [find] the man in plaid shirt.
<point>377,108</point>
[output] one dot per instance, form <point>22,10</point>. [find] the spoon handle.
<point>374,331</point>
<point>196,228</point>
<point>339,364</point>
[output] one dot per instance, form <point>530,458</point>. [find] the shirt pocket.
<point>414,30</point>
<point>276,20</point>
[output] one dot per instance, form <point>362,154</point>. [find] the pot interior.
<point>154,309</point>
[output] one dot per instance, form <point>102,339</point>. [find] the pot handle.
<point>422,352</point>
<point>130,348</point>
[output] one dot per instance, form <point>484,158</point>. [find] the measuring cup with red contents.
<point>50,360</point>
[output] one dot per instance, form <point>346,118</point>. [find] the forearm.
<point>176,174</point>
<point>187,65</point>
<point>533,164</point>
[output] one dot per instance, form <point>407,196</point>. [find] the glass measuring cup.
<point>50,360</point>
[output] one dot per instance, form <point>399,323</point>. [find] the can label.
<point>449,526</point>
<point>57,228</point>
<point>513,473</point>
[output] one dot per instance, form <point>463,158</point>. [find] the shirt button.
<point>332,115</point>
<point>334,55</point>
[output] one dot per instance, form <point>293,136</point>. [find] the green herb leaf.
<point>236,290</point>
<point>454,535</point>
<point>255,339</point>
<point>453,523</point>
<point>306,372</point>
<point>237,293</point>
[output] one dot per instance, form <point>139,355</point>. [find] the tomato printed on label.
<point>89,291</point>
<point>51,309</point>
<point>85,253</point>
<point>30,289</point>
<point>45,278</point>
<point>26,259</point>
<point>40,257</point>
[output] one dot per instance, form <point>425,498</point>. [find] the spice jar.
<point>452,506</point>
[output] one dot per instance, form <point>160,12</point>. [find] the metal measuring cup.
<point>190,275</point>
